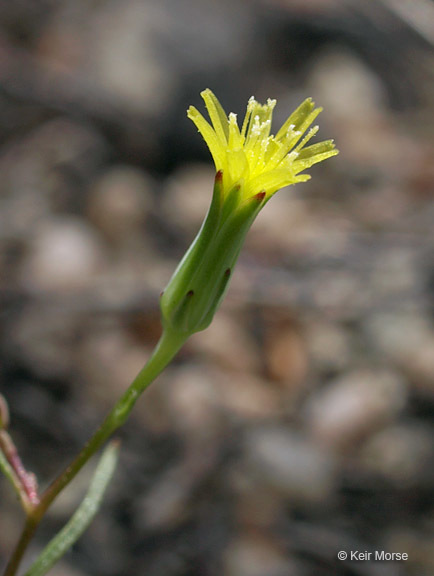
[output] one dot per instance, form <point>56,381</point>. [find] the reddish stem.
<point>27,480</point>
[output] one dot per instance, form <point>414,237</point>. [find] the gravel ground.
<point>301,422</point>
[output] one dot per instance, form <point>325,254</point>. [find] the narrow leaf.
<point>81,518</point>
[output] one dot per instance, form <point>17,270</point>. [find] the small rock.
<point>65,255</point>
<point>119,202</point>
<point>397,335</point>
<point>166,505</point>
<point>168,502</point>
<point>407,340</point>
<point>394,272</point>
<point>228,344</point>
<point>400,454</point>
<point>257,505</point>
<point>345,85</point>
<point>355,100</point>
<point>352,407</point>
<point>189,397</point>
<point>328,346</point>
<point>257,555</point>
<point>43,338</point>
<point>196,401</point>
<point>247,396</point>
<point>293,225</point>
<point>123,58</point>
<point>290,464</point>
<point>285,356</point>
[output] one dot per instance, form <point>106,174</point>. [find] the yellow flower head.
<point>251,166</point>
<point>252,158</point>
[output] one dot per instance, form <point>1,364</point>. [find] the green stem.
<point>164,352</point>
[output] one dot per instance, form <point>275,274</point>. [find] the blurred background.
<point>301,422</point>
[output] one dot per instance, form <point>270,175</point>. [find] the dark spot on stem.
<point>227,272</point>
<point>190,293</point>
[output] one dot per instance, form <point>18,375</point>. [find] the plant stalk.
<point>168,345</point>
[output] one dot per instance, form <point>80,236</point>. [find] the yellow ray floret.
<point>253,159</point>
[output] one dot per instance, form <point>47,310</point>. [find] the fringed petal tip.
<point>253,155</point>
